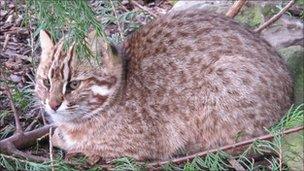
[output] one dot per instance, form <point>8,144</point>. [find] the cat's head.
<point>72,88</point>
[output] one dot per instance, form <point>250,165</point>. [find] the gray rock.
<point>217,6</point>
<point>287,31</point>
<point>294,55</point>
<point>15,78</point>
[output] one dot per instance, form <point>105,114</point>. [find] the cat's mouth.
<point>60,110</point>
<point>63,113</point>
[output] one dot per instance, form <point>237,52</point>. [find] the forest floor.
<point>19,56</point>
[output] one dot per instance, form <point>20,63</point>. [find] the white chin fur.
<point>61,114</point>
<point>59,118</point>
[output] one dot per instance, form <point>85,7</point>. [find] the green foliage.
<point>117,20</point>
<point>73,19</point>
<point>6,131</point>
<point>293,150</point>
<point>21,99</point>
<point>171,167</point>
<point>251,16</point>
<point>300,2</point>
<point>270,10</point>
<point>292,144</point>
<point>295,60</point>
<point>13,163</point>
<point>3,115</point>
<point>214,161</point>
<point>294,117</point>
<point>126,163</point>
<point>280,6</point>
<point>173,2</point>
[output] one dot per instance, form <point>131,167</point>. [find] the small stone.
<point>15,78</point>
<point>10,19</point>
<point>3,13</point>
<point>125,2</point>
<point>18,20</point>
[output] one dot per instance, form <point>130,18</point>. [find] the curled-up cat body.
<point>189,80</point>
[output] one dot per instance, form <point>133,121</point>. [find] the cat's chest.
<point>67,137</point>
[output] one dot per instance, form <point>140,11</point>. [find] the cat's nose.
<point>55,104</point>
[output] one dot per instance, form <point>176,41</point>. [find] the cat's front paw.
<point>58,140</point>
<point>93,159</point>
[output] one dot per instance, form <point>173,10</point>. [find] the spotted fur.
<point>193,81</point>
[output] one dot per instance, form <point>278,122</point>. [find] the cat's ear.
<point>105,50</point>
<point>110,58</point>
<point>46,44</point>
<point>94,43</point>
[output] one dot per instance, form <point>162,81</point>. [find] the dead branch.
<point>223,148</point>
<point>20,154</point>
<point>51,149</point>
<point>32,124</point>
<point>275,17</point>
<point>7,37</point>
<point>25,139</point>
<point>143,8</point>
<point>43,118</point>
<point>235,8</point>
<point>17,30</point>
<point>16,116</point>
<point>17,141</point>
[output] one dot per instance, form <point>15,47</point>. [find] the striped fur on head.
<point>69,88</point>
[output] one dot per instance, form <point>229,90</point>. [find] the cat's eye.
<point>73,85</point>
<point>46,83</point>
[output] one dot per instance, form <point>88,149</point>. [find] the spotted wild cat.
<point>189,80</point>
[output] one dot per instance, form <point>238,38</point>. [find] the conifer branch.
<point>223,148</point>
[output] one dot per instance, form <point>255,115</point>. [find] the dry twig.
<point>20,139</point>
<point>275,17</point>
<point>16,116</point>
<point>223,148</point>
<point>51,149</point>
<point>11,144</point>
<point>235,8</point>
<point>7,37</point>
<point>32,124</point>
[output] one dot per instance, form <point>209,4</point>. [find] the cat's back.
<point>201,46</point>
<point>196,37</point>
<point>208,71</point>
